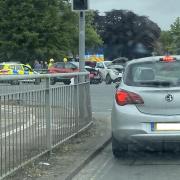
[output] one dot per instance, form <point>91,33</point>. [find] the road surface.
<point>139,166</point>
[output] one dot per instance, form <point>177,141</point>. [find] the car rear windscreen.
<point>153,74</point>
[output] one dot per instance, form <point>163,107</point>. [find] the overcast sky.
<point>163,12</point>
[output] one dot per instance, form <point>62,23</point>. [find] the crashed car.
<point>113,73</point>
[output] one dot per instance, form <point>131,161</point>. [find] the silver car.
<point>146,108</point>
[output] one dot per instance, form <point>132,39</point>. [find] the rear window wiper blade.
<point>157,83</point>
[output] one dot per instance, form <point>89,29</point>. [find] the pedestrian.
<point>42,64</point>
<point>65,60</point>
<point>37,65</point>
<point>51,63</point>
<point>45,65</point>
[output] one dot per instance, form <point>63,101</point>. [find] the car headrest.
<point>145,74</point>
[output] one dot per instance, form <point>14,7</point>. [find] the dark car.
<point>120,61</point>
<point>61,67</point>
<point>94,75</point>
<point>90,63</point>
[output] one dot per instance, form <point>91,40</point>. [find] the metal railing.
<point>34,118</point>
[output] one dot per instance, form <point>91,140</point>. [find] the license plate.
<point>167,126</point>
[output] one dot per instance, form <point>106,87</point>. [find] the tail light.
<point>125,97</point>
<point>168,59</point>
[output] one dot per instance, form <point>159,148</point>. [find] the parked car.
<point>94,75</point>
<point>90,63</point>
<point>61,67</point>
<point>16,68</point>
<point>146,105</point>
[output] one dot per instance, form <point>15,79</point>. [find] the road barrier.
<point>35,118</point>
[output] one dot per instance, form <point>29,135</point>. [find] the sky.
<point>162,12</point>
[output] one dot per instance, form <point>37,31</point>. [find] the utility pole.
<point>81,6</point>
<point>82,41</point>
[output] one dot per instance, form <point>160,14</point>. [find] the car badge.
<point>169,98</point>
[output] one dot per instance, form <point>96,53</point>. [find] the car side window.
<point>26,68</point>
<point>100,65</point>
<point>12,67</point>
<point>70,66</point>
<point>19,67</point>
<point>59,65</point>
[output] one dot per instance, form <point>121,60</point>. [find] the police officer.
<point>51,63</point>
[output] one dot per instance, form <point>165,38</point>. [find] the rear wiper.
<point>156,83</point>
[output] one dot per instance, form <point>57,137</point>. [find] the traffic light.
<point>80,5</point>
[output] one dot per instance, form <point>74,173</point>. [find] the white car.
<point>109,72</point>
<point>102,67</point>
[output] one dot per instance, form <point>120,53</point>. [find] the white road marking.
<point>22,127</point>
<point>94,177</point>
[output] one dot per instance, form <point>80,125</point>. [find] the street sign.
<point>80,5</point>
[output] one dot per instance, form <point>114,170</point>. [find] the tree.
<point>126,34</point>
<point>31,29</point>
<point>93,39</point>
<point>175,35</point>
<point>169,40</point>
<point>166,43</point>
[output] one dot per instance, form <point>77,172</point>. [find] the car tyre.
<point>37,81</point>
<point>67,82</point>
<point>118,149</point>
<point>52,81</point>
<point>108,79</point>
<point>15,82</point>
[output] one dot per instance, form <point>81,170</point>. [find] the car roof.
<point>89,67</point>
<point>10,63</point>
<point>106,61</point>
<point>150,59</point>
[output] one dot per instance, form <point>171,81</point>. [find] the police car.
<point>13,68</point>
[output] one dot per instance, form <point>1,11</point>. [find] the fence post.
<point>89,99</point>
<point>48,103</point>
<point>76,102</point>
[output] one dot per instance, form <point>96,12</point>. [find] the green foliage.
<point>93,39</point>
<point>175,35</point>
<point>31,29</point>
<point>166,42</point>
<point>170,40</point>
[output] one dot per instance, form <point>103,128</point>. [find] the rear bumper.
<point>132,136</point>
<point>130,125</point>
